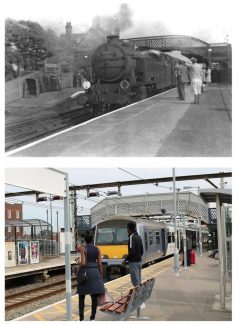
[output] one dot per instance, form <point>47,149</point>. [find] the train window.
<point>150,238</point>
<point>122,236</point>
<point>106,236</point>
<point>113,235</point>
<point>157,238</point>
<point>146,240</point>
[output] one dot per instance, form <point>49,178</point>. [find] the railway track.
<point>27,297</point>
<point>25,130</point>
<point>22,129</point>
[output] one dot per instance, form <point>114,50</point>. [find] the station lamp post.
<point>199,217</point>
<point>176,251</point>
<point>209,57</point>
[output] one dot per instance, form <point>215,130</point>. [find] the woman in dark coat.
<point>94,286</point>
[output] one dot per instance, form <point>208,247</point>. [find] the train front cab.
<point>111,238</point>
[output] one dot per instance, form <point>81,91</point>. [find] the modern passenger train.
<point>158,241</point>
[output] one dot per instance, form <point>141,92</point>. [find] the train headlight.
<point>124,84</point>
<point>86,84</point>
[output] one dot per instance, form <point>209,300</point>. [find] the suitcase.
<point>193,257</point>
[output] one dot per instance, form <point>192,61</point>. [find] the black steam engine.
<point>123,74</point>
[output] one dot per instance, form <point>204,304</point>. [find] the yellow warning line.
<point>39,317</point>
<point>60,308</point>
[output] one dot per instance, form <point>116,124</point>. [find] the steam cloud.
<point>116,23</point>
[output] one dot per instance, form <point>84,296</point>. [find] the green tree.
<point>27,44</point>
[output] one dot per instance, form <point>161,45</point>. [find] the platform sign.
<point>47,180</point>
<point>23,252</point>
<point>34,252</point>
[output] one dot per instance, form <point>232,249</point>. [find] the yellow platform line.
<point>39,317</point>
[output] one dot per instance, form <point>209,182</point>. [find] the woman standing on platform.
<point>196,78</point>
<point>208,78</point>
<point>91,264</point>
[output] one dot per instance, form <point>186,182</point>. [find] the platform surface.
<point>27,268</point>
<point>161,126</point>
<point>193,296</point>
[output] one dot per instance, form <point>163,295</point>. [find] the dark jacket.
<point>135,248</point>
<point>94,284</point>
<point>188,244</point>
<point>182,73</point>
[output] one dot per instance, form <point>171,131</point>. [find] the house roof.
<point>64,55</point>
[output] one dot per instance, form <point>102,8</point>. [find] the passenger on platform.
<point>188,249</point>
<point>208,78</point>
<point>196,78</point>
<point>94,285</point>
<point>182,79</point>
<point>204,74</point>
<point>135,252</point>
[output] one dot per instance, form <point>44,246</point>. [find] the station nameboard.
<point>47,180</point>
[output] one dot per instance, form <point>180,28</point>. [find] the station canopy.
<point>209,195</point>
<point>27,223</point>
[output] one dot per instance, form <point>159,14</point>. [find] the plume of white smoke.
<point>120,21</point>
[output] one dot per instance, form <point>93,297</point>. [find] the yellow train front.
<point>112,239</point>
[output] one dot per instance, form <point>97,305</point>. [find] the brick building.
<point>13,212</point>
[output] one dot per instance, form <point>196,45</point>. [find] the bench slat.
<point>121,309</point>
<point>114,307</point>
<point>106,306</point>
<point>123,300</point>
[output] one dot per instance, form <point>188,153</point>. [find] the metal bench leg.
<point>138,316</point>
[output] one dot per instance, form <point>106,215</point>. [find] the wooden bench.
<point>121,308</point>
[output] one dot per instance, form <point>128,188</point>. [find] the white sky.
<point>84,176</point>
<point>205,18</point>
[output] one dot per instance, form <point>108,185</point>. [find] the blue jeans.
<point>135,272</point>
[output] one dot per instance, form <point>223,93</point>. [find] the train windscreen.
<point>112,235</point>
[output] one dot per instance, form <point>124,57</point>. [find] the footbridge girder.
<point>189,46</point>
<point>148,205</point>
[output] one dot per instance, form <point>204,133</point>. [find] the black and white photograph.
<point>118,79</point>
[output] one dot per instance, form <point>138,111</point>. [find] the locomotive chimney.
<point>111,38</point>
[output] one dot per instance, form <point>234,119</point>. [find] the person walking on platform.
<point>204,74</point>
<point>196,78</point>
<point>188,249</point>
<point>135,252</point>
<point>182,79</point>
<point>93,285</point>
<point>208,77</point>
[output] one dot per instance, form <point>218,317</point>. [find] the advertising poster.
<point>34,252</point>
<point>22,252</point>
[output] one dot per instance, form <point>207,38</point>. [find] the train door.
<point>164,240</point>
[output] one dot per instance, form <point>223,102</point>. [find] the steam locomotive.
<point>123,74</point>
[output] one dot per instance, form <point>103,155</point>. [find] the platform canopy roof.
<point>27,223</point>
<point>209,195</point>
